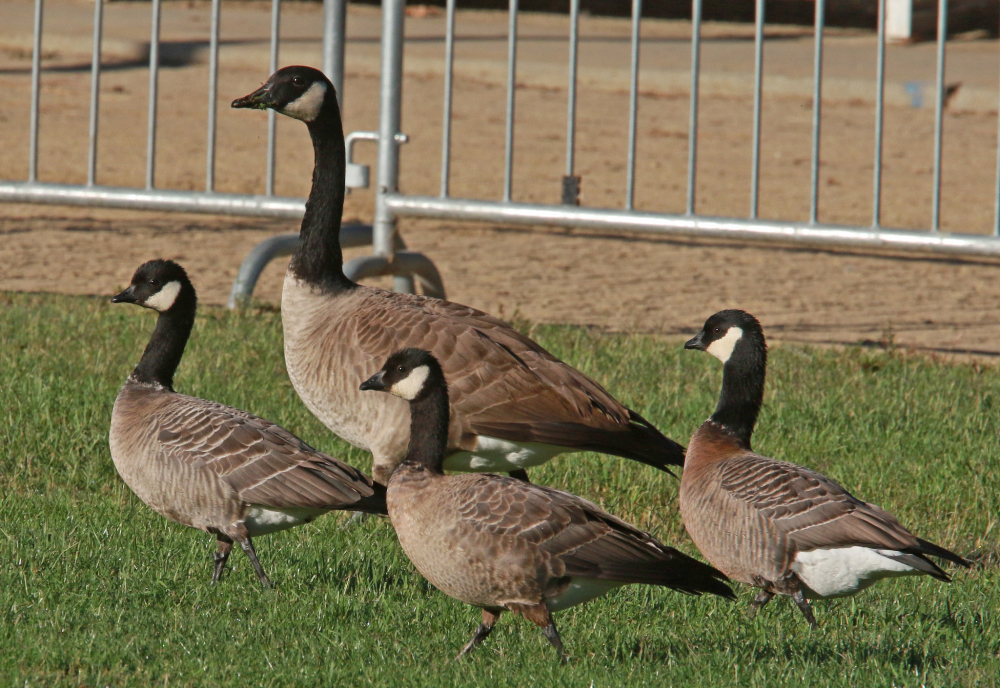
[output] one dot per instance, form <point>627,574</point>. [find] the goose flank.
<point>780,527</point>
<point>513,404</point>
<point>210,466</point>
<point>503,544</point>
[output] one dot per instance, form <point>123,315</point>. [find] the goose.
<point>210,466</point>
<point>783,528</point>
<point>513,404</point>
<point>500,543</point>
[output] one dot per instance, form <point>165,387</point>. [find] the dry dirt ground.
<point>639,283</point>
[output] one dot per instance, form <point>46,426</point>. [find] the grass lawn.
<point>96,589</point>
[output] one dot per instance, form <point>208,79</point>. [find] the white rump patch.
<point>307,106</point>
<point>722,349</point>
<point>261,520</point>
<point>846,570</point>
<point>409,387</point>
<point>493,455</point>
<point>581,590</point>
<point>164,299</point>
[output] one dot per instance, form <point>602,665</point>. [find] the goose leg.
<point>520,474</point>
<point>247,546</point>
<point>803,605</point>
<point>539,615</point>
<point>762,598</point>
<point>485,628</point>
<point>225,546</point>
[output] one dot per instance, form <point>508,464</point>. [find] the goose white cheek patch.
<point>409,387</point>
<point>722,349</point>
<point>307,106</point>
<point>164,299</point>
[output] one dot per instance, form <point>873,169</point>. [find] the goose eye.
<point>401,369</point>
<point>298,81</point>
<point>153,282</point>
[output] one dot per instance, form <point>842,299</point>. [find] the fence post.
<point>334,43</point>
<point>390,91</point>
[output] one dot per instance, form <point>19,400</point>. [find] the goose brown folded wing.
<point>810,509</point>
<point>264,463</point>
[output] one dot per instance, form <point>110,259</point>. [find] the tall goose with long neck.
<point>513,404</point>
<point>210,466</point>
<point>780,527</point>
<point>503,544</point>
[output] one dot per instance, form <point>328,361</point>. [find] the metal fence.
<point>389,256</point>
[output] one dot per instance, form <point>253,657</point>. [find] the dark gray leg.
<point>804,607</point>
<point>762,598</point>
<point>485,628</point>
<point>553,635</point>
<point>225,546</point>
<point>520,474</point>
<point>247,546</point>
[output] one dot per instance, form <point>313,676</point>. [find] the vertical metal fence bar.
<point>213,96</point>
<point>389,118</point>
<point>942,34</point>
<point>334,44</point>
<point>996,217</point>
<point>154,79</point>
<point>511,69</point>
<point>95,90</point>
<point>758,69</point>
<point>574,44</point>
<point>817,107</point>
<point>879,117</point>
<point>633,106</point>
<point>693,123</point>
<point>36,74</point>
<point>449,70</point>
<point>271,121</point>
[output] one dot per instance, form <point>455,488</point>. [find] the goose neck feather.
<point>742,393</point>
<point>318,259</point>
<point>166,346</point>
<point>429,418</point>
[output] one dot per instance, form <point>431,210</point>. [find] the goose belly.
<point>496,455</point>
<point>844,571</point>
<point>261,520</point>
<point>580,590</point>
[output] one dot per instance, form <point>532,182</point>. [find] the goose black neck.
<point>742,389</point>
<point>166,346</point>
<point>429,418</point>
<point>318,259</point>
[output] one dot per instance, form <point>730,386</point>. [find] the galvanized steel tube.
<point>271,119</point>
<point>213,96</point>
<point>879,117</point>
<point>95,91</point>
<point>942,31</point>
<point>449,73</point>
<point>390,90</point>
<point>511,72</point>
<point>758,68</point>
<point>574,43</point>
<point>693,121</point>
<point>154,78</point>
<point>817,106</point>
<point>633,106</point>
<point>36,73</point>
<point>334,44</point>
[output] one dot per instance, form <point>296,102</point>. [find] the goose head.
<point>409,374</point>
<point>160,285</point>
<point>728,332</point>
<point>299,92</point>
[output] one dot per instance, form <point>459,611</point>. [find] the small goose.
<point>503,544</point>
<point>513,404</point>
<point>210,466</point>
<point>781,527</point>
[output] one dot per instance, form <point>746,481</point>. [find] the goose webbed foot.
<point>485,628</point>
<point>225,546</point>
<point>247,546</point>
<point>803,605</point>
<point>552,633</point>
